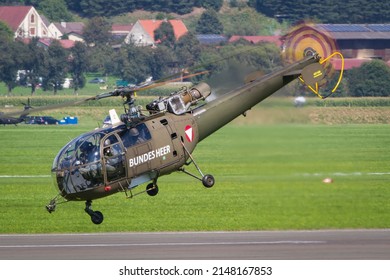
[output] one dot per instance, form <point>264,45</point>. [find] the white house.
<point>142,33</point>
<point>24,21</point>
<point>73,30</point>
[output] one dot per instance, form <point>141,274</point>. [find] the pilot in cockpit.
<point>89,160</point>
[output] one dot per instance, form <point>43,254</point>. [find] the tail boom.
<point>217,113</point>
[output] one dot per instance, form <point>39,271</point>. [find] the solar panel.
<point>211,38</point>
<point>379,27</point>
<point>344,27</point>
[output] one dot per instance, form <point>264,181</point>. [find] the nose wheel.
<point>96,216</point>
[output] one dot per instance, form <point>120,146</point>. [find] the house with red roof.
<point>121,30</point>
<point>65,43</point>
<point>142,33</point>
<point>24,21</point>
<point>258,39</point>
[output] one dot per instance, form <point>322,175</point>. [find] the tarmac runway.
<point>255,245</point>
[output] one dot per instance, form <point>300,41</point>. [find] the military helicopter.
<point>5,119</point>
<point>142,145</point>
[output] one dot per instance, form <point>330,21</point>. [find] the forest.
<point>325,11</point>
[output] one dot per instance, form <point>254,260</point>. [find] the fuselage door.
<point>138,147</point>
<point>114,160</point>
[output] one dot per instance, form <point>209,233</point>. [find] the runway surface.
<point>256,245</point>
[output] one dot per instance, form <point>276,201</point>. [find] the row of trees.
<point>326,11</point>
<point>52,65</point>
<point>55,9</point>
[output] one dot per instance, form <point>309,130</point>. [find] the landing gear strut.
<point>207,180</point>
<point>51,207</point>
<point>96,216</point>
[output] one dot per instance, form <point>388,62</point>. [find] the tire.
<point>152,189</point>
<point>97,217</point>
<point>208,181</point>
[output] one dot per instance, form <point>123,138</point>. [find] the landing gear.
<point>207,180</point>
<point>96,216</point>
<point>152,189</point>
<point>51,207</point>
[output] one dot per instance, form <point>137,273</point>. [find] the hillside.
<point>235,21</point>
<point>328,11</point>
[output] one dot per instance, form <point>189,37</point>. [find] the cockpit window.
<point>135,135</point>
<point>78,166</point>
<point>114,159</point>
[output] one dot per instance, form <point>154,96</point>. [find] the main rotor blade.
<point>46,108</point>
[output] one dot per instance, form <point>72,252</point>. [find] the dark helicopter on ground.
<point>140,146</point>
<point>5,119</point>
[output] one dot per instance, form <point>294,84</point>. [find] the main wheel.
<point>208,181</point>
<point>152,189</point>
<point>97,217</point>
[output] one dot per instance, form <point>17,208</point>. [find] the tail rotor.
<point>306,40</point>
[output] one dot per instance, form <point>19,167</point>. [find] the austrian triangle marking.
<point>189,133</point>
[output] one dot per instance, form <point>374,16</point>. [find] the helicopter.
<point>5,119</point>
<point>141,145</point>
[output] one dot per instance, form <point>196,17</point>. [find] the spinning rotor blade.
<point>46,108</point>
<point>123,92</point>
<point>307,39</point>
<point>128,91</point>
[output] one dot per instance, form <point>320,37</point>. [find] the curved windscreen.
<point>96,158</point>
<point>77,166</point>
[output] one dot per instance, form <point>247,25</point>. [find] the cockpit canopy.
<point>95,158</point>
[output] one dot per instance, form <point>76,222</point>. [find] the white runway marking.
<point>346,174</point>
<point>165,244</point>
<point>25,176</point>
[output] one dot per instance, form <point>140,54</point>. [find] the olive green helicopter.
<point>141,145</point>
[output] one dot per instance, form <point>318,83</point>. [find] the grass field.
<point>268,176</point>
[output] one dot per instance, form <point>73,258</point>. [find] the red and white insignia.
<point>189,133</point>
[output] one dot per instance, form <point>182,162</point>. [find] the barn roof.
<point>355,31</point>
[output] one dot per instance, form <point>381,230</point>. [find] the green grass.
<point>267,177</point>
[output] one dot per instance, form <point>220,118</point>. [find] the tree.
<point>55,10</point>
<point>370,79</point>
<point>160,61</point>
<point>100,59</point>
<point>132,63</point>
<point>54,67</point>
<point>165,34</point>
<point>34,64</point>
<point>11,60</point>
<point>97,31</point>
<point>213,4</point>
<point>6,34</point>
<point>78,65</point>
<point>209,23</point>
<point>187,50</point>
<point>102,8</point>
